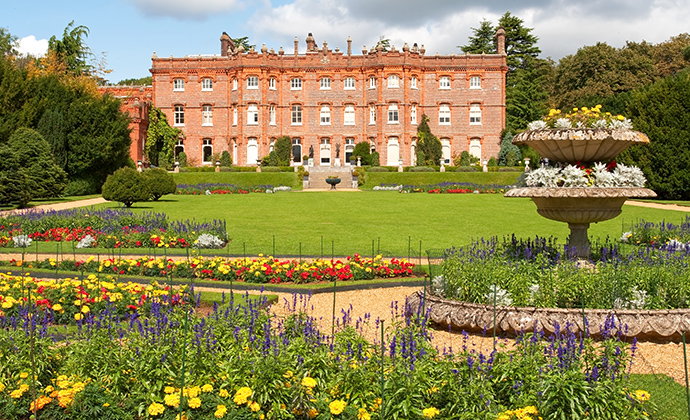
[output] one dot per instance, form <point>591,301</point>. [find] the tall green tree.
<point>662,111</point>
<point>483,40</point>
<point>283,148</point>
<point>384,42</point>
<point>72,48</point>
<point>429,149</point>
<point>8,43</point>
<point>521,44</point>
<point>161,139</point>
<point>244,42</point>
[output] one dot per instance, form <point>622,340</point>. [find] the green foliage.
<point>8,43</point>
<point>127,186</point>
<point>283,149</point>
<point>483,40</point>
<point>509,155</point>
<point>377,169</point>
<point>244,42</point>
<point>360,173</point>
<point>72,49</point>
<point>363,149</point>
<point>28,170</point>
<point>80,187</point>
<point>270,160</point>
<point>159,182</point>
<point>527,94</point>
<point>492,162</point>
<point>145,81</point>
<point>466,169</point>
<point>384,43</point>
<point>375,159</point>
<point>225,159</point>
<point>161,139</point>
<point>429,149</point>
<point>182,158</point>
<point>662,111</point>
<point>422,169</point>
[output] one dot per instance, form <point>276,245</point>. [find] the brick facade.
<point>241,101</point>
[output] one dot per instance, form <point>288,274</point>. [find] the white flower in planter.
<point>573,177</point>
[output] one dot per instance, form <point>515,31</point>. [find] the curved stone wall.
<point>643,324</point>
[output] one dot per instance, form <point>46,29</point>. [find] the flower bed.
<point>264,269</point>
<point>445,188</point>
<point>659,235</point>
<point>242,363</point>
<point>211,189</point>
<point>540,273</point>
<point>120,228</point>
<point>68,300</point>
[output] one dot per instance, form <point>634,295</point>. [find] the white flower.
<point>282,188</point>
<point>542,177</point>
<point>624,124</point>
<point>21,241</point>
<point>572,176</point>
<point>86,242</point>
<point>600,124</point>
<point>602,177</point>
<point>637,300</point>
<point>501,296</point>
<point>563,123</point>
<point>628,176</point>
<point>536,125</point>
<point>438,285</point>
<point>627,235</point>
<point>206,240</point>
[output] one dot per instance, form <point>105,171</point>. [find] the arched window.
<point>325,115</point>
<point>207,115</point>
<point>349,117</point>
<point>444,114</point>
<point>179,147</point>
<point>252,114</point>
<point>444,82</point>
<point>476,148</point>
<point>393,115</point>
<point>207,151</point>
<point>445,150</point>
<point>252,151</point>
<point>413,114</point>
<point>297,150</point>
<point>179,115</point>
<point>475,114</point>
<point>393,81</point>
<point>296,115</point>
<point>206,84</point>
<point>475,82</point>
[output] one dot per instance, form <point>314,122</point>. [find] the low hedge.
<point>466,169</point>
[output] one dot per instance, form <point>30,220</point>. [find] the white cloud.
<point>185,9</point>
<point>29,45</point>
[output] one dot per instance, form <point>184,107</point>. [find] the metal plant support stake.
<point>32,349</point>
<point>383,388</point>
<point>685,363</point>
<point>184,346</point>
<point>495,288</point>
<point>335,282</point>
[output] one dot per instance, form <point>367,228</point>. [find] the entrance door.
<point>393,151</point>
<point>297,150</point>
<point>325,152</point>
<point>349,148</point>
<point>252,151</point>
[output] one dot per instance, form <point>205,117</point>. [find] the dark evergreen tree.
<point>509,155</point>
<point>362,149</point>
<point>283,148</point>
<point>428,144</point>
<point>225,159</point>
<point>662,111</point>
<point>483,41</point>
<point>72,48</point>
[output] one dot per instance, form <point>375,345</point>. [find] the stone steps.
<point>319,174</point>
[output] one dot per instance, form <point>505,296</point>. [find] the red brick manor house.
<point>327,100</point>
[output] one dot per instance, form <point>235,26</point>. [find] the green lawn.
<point>389,220</point>
<point>240,179</point>
<point>667,395</point>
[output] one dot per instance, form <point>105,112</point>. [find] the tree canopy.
<point>483,40</point>
<point>72,48</point>
<point>161,139</point>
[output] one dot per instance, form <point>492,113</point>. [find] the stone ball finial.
<point>264,49</point>
<point>281,51</point>
<point>154,55</point>
<point>364,49</point>
<point>406,47</point>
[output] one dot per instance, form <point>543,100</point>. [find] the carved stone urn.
<point>580,206</point>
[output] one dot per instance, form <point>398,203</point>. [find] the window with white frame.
<point>296,115</point>
<point>272,83</point>
<point>235,115</point>
<point>393,81</point>
<point>295,83</point>
<point>413,114</point>
<point>325,83</point>
<point>393,115</point>
<point>349,117</point>
<point>272,115</point>
<point>475,114</point>
<point>207,151</point>
<point>206,84</point>
<point>444,114</point>
<point>325,115</point>
<point>349,148</point>
<point>252,82</point>
<point>178,85</point>
<point>234,84</point>
<point>444,82</point>
<point>179,148</point>
<point>349,83</point>
<point>372,82</point>
<point>207,115</point>
<point>252,151</point>
<point>413,82</point>
<point>179,115</point>
<point>372,114</point>
<point>475,82</point>
<point>252,114</point>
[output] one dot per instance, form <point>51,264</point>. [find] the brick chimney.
<point>226,44</point>
<point>500,40</point>
<point>311,43</point>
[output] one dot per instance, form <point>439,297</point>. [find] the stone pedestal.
<point>337,161</point>
<point>310,162</point>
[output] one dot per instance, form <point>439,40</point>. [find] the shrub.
<point>182,158</point>
<point>228,169</point>
<point>270,168</point>
<point>301,173</point>
<point>270,160</point>
<point>428,143</point>
<point>126,186</point>
<point>510,169</point>
<point>375,159</point>
<point>362,149</point>
<point>80,187</point>
<point>422,169</point>
<point>377,169</point>
<point>466,169</point>
<point>360,173</point>
<point>283,148</point>
<point>160,182</point>
<point>492,162</point>
<point>225,159</point>
<point>509,155</point>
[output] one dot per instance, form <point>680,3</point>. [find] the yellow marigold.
<point>254,406</point>
<point>78,316</point>
<point>288,374</point>
<point>312,413</point>
<point>308,382</point>
<point>337,407</point>
<point>156,408</point>
<point>2,387</point>
<point>58,308</point>
<point>172,400</point>
<point>641,396</point>
<point>220,412</point>
<point>207,388</point>
<point>430,412</point>
<point>223,393</point>
<point>363,415</point>
<point>85,309</point>
<point>194,402</point>
<point>169,390</point>
<point>41,402</point>
<point>23,375</point>
<point>242,395</point>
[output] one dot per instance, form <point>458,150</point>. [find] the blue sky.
<point>129,31</point>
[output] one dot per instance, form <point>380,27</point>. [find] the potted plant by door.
<point>333,181</point>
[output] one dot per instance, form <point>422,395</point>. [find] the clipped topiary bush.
<point>466,169</point>
<point>182,158</point>
<point>160,182</point>
<point>225,159</point>
<point>422,169</point>
<point>360,173</point>
<point>377,169</point>
<point>126,186</point>
<point>270,168</point>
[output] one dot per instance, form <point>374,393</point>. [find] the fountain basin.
<point>585,145</point>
